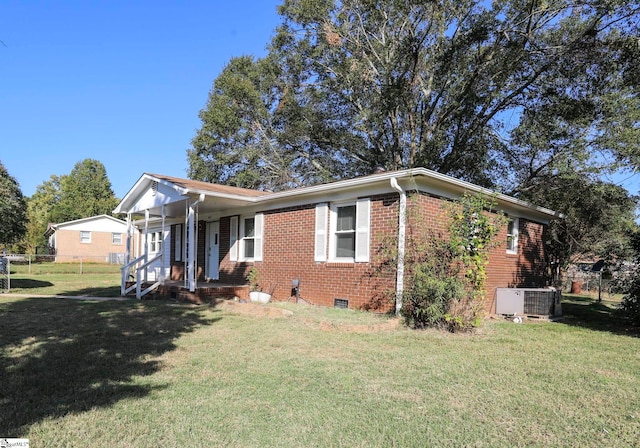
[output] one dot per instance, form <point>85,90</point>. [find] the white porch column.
<point>162,249</point>
<point>127,243</point>
<point>193,252</point>
<point>146,242</point>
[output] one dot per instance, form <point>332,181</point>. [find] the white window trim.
<point>257,238</point>
<point>85,241</point>
<point>320,245</point>
<point>515,235</point>
<point>362,230</point>
<point>119,239</point>
<point>156,242</point>
<point>233,238</point>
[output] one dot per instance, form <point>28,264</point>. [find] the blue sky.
<point>119,81</point>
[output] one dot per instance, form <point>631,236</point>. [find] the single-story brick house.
<point>324,236</point>
<point>97,239</point>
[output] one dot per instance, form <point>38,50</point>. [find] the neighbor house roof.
<point>51,228</point>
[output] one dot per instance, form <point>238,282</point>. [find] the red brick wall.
<point>288,253</point>
<point>526,269</point>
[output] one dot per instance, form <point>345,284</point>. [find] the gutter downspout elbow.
<point>402,224</point>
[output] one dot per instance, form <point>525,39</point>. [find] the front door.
<point>213,251</point>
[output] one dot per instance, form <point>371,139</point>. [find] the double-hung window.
<point>345,232</point>
<point>348,231</point>
<point>512,236</point>
<point>85,237</point>
<point>116,238</point>
<point>246,237</point>
<point>249,237</point>
<point>155,242</point>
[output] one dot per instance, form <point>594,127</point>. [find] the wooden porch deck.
<point>205,291</point>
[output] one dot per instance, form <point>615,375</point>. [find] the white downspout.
<point>402,224</point>
<point>191,274</point>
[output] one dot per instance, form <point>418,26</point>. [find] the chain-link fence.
<point>36,265</point>
<point>582,280</point>
<point>4,274</point>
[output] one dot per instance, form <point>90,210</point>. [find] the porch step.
<point>203,293</point>
<point>132,293</point>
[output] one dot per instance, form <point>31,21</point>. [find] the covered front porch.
<point>179,249</point>
<point>204,292</point>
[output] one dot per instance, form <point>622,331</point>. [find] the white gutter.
<point>191,274</point>
<point>402,224</point>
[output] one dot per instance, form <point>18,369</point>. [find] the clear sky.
<point>119,81</point>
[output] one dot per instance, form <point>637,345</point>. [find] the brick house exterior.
<point>97,239</point>
<point>328,237</point>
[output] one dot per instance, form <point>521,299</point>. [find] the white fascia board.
<point>139,190</point>
<point>84,220</point>
<point>446,186</point>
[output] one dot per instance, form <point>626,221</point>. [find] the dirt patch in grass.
<point>252,309</point>
<point>260,310</point>
<point>388,325</point>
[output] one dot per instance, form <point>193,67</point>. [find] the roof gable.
<point>99,223</point>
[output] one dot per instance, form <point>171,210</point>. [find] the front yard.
<point>147,374</point>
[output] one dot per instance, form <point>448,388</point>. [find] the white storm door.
<point>213,251</point>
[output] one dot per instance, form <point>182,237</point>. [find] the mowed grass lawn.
<point>74,279</point>
<point>154,373</point>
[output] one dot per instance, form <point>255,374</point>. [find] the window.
<point>345,234</point>
<point>155,241</point>
<point>512,236</point>
<point>116,238</point>
<point>245,238</point>
<point>248,238</point>
<point>85,236</point>
<point>349,231</point>
<point>177,243</point>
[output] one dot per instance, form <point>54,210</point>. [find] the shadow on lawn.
<point>64,356</point>
<point>98,291</point>
<point>27,283</point>
<point>584,311</point>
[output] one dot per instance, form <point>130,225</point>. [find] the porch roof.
<point>152,191</point>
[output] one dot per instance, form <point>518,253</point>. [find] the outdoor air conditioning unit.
<point>528,301</point>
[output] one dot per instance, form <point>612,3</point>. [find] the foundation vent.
<point>341,303</point>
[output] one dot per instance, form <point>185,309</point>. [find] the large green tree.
<point>13,209</point>
<point>356,84</point>
<point>258,133</point>
<point>84,192</point>
<point>39,207</point>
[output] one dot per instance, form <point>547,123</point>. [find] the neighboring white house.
<point>99,239</point>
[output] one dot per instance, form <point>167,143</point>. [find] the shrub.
<point>430,298</point>
<point>630,304</point>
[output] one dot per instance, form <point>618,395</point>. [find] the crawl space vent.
<point>340,303</point>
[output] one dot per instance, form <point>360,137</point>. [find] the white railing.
<point>141,276</point>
